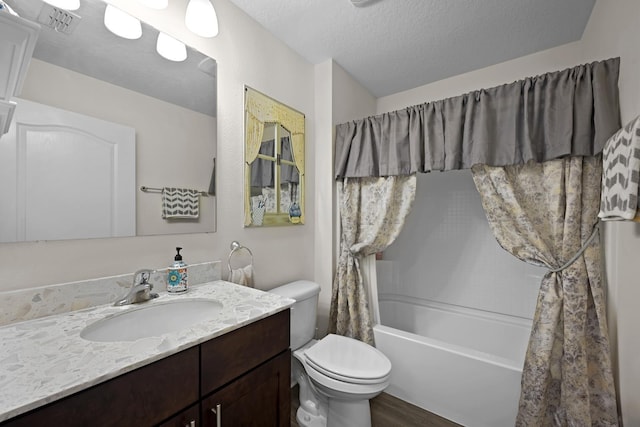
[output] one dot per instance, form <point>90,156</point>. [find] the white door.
<point>66,176</point>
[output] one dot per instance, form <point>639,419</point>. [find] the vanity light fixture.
<point>64,4</point>
<point>201,18</point>
<point>155,4</point>
<point>121,23</point>
<point>170,48</point>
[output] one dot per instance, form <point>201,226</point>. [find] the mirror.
<point>77,180</point>
<point>274,162</point>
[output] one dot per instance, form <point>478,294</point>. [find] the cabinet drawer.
<point>233,354</point>
<point>128,400</point>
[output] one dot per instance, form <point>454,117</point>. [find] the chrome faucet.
<point>140,290</point>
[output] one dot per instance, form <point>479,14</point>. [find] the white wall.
<point>558,58</point>
<point>246,54</point>
<point>323,269</point>
<point>339,98</point>
<point>613,30</point>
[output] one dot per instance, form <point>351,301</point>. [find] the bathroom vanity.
<point>231,371</point>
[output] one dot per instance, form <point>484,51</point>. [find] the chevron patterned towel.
<point>180,203</point>
<point>621,174</point>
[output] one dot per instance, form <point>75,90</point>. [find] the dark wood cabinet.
<point>259,398</point>
<point>244,375</point>
<point>230,355</point>
<point>190,417</point>
<point>143,397</point>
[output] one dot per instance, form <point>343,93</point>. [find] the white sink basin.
<point>152,320</point>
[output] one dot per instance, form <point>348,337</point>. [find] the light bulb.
<point>64,4</point>
<point>170,48</point>
<point>122,24</point>
<point>201,18</point>
<point>155,4</point>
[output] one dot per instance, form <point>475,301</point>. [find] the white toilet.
<point>337,375</point>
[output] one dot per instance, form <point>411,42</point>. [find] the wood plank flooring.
<point>389,411</point>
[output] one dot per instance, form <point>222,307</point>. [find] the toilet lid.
<point>348,359</point>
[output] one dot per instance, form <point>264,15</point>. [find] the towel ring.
<point>235,247</point>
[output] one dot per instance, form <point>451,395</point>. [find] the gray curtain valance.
<point>569,112</point>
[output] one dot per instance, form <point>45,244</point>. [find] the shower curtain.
<point>546,214</point>
<point>372,213</point>
<point>567,115</point>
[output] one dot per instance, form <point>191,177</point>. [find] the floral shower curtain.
<point>372,213</point>
<point>546,214</point>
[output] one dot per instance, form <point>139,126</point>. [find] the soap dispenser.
<point>177,278</point>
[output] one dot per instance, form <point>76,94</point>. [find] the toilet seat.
<point>346,380</point>
<point>348,360</point>
<point>336,388</point>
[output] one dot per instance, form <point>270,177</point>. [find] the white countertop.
<point>45,359</point>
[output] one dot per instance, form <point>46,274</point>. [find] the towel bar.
<point>159,190</point>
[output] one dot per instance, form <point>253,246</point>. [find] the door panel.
<point>49,151</point>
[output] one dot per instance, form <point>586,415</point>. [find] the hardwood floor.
<point>389,411</point>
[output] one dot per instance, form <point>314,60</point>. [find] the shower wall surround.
<point>447,254</point>
<point>26,304</point>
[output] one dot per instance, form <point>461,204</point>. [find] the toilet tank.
<point>303,311</point>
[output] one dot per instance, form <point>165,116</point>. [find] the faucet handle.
<point>144,275</point>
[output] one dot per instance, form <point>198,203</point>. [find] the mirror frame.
<point>260,109</point>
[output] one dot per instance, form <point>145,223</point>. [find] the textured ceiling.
<point>393,45</point>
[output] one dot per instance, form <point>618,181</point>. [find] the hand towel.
<point>621,174</point>
<point>257,210</point>
<point>180,203</point>
<point>242,275</point>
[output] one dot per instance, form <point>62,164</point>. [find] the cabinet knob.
<point>192,423</point>
<point>218,411</point>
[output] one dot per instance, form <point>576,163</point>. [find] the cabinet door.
<point>260,398</point>
<point>190,417</point>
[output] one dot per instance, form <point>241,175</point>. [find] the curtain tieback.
<point>580,251</point>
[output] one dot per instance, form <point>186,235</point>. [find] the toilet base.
<point>340,414</point>
<point>306,419</point>
<point>349,413</point>
<point>318,410</point>
<point>313,407</point>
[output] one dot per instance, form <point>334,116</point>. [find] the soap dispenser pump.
<point>177,278</point>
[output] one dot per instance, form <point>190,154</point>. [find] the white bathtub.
<point>464,365</point>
